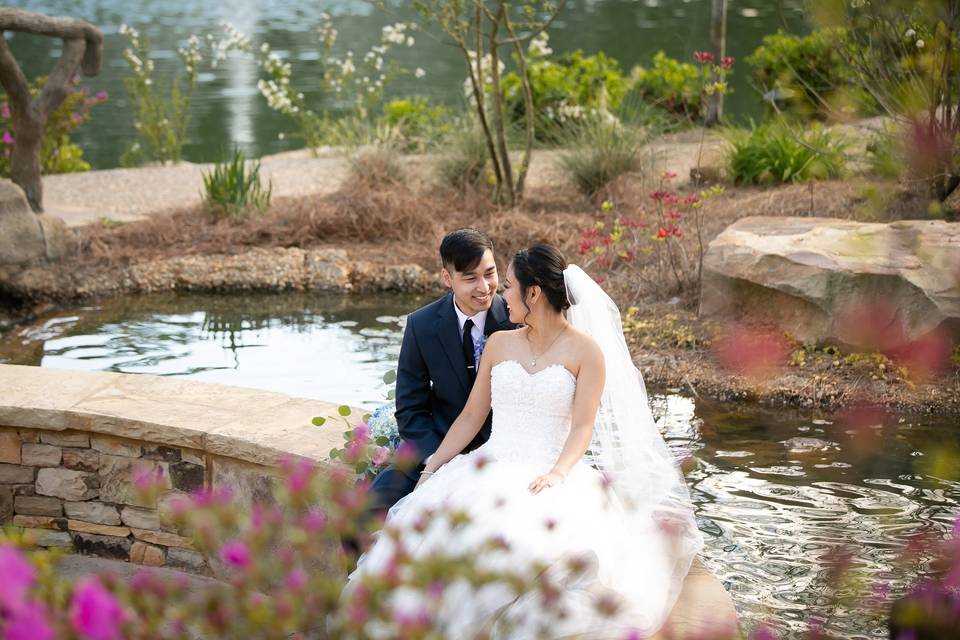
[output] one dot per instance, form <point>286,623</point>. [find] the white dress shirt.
<point>479,321</point>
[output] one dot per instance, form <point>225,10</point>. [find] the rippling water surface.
<point>776,490</point>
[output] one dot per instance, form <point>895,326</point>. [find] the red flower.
<point>703,57</point>
<point>658,195</point>
<point>668,175</point>
<point>726,62</point>
<point>691,199</point>
<point>662,232</point>
<point>756,353</point>
<point>671,198</point>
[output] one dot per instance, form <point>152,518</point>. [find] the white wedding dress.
<point>629,556</point>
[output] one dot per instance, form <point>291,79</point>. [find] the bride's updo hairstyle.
<point>542,265</point>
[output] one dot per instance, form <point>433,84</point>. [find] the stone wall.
<point>72,444</point>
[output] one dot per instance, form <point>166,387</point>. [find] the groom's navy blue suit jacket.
<point>432,387</point>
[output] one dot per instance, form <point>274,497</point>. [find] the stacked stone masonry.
<point>77,491</point>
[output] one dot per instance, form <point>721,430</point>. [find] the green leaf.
<point>390,377</point>
<point>334,454</point>
<point>382,441</point>
<point>366,417</point>
<point>319,421</point>
<point>391,394</point>
<point>344,410</point>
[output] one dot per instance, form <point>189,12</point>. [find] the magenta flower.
<point>5,110</point>
<point>314,521</point>
<point>7,137</point>
<point>147,479</point>
<point>212,497</point>
<point>76,117</point>
<point>299,472</point>
<point>361,433</point>
<point>29,622</point>
<point>95,613</point>
<point>18,576</point>
<point>236,554</point>
<point>101,96</point>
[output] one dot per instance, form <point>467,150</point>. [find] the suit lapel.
<point>448,333</point>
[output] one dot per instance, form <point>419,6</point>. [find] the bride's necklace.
<point>535,357</point>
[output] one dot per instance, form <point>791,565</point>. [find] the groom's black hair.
<point>462,249</point>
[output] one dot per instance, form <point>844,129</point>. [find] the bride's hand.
<point>551,479</point>
<point>423,478</point>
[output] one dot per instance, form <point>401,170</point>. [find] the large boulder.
<point>26,237</point>
<point>824,279</point>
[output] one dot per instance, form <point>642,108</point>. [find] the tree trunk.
<point>82,47</point>
<point>718,46</point>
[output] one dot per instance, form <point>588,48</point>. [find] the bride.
<point>574,467</point>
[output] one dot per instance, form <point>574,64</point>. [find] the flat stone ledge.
<point>245,424</point>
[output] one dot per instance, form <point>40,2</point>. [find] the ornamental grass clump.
<point>234,187</point>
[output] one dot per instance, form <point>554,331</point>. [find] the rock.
<point>66,438</point>
<point>117,478</point>
<point>810,274</point>
<point>188,560</point>
<point>162,538</point>
<point>67,484</point>
<point>6,504</point>
<point>9,446</point>
<point>327,270</point>
<point>37,506</point>
<point>196,457</point>
<point>81,459</point>
<point>808,445</point>
<point>116,446</point>
<point>48,538</point>
<point>40,522</point>
<point>25,489</point>
<point>15,474</point>
<point>92,511</point>
<point>29,435</point>
<point>146,554</point>
<point>100,529</point>
<point>166,454</point>
<point>406,277</point>
<point>140,518</point>
<point>186,476</point>
<point>106,546</point>
<point>41,455</point>
<point>25,236</point>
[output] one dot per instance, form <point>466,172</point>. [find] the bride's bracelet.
<point>426,473</point>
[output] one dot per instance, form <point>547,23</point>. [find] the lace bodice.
<point>531,412</point>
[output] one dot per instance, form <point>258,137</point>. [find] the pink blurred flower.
<point>703,57</point>
<point>361,433</point>
<point>749,351</point>
<point>314,520</point>
<point>5,110</point>
<point>101,96</point>
<point>296,579</point>
<point>29,622</point>
<point>299,472</point>
<point>7,137</point>
<point>76,117</point>
<point>236,554</point>
<point>763,632</point>
<point>926,356</point>
<point>148,478</point>
<point>219,496</point>
<point>727,62</point>
<point>94,612</point>
<point>381,455</point>
<point>18,576</point>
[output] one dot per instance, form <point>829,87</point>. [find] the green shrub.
<point>566,91</point>
<point>775,153</point>
<point>674,86</point>
<point>234,186</point>
<point>419,124</point>
<point>807,76</point>
<point>464,160</point>
<point>601,151</point>
<point>57,153</point>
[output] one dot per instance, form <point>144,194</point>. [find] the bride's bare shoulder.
<point>585,347</point>
<point>501,339</point>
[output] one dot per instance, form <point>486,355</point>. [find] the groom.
<point>441,348</point>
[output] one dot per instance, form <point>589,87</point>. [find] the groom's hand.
<point>545,481</point>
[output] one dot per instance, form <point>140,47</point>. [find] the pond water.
<point>228,109</point>
<point>775,490</point>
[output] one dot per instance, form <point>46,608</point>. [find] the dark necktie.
<point>468,351</point>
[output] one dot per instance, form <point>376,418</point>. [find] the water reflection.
<point>776,491</point>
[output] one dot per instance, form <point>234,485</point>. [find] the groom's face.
<point>474,288</point>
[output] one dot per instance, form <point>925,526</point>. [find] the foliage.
<point>377,165</point>
<point>566,91</point>
<point>464,160</point>
<point>646,250</point>
<point>356,81</point>
<point>57,153</point>
<point>906,55</point>
<point>601,150</point>
<point>419,123</point>
<point>808,76</point>
<point>674,86</point>
<point>775,153</point>
<point>160,118</point>
<point>481,31</point>
<point>234,187</point>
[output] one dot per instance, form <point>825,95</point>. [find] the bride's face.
<point>474,288</point>
<point>513,297</point>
